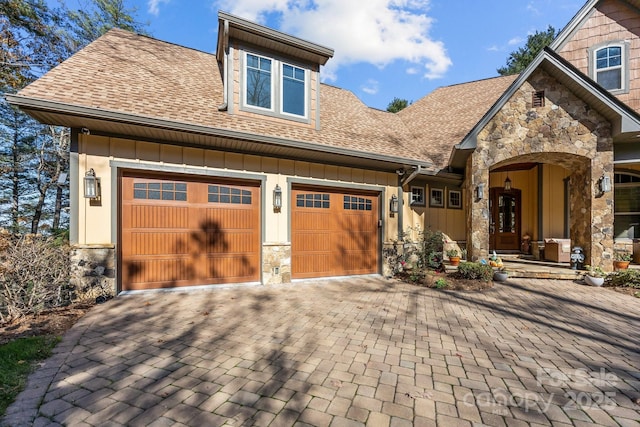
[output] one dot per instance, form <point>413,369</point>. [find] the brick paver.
<point>352,352</point>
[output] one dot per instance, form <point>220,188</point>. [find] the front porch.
<point>525,267</point>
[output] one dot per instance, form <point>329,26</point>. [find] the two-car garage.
<point>183,230</point>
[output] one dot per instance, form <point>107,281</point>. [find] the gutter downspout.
<point>225,66</point>
<point>400,210</point>
<point>408,178</point>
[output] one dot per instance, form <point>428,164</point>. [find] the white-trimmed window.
<point>609,65</point>
<point>436,198</point>
<point>294,90</point>
<point>275,87</point>
<point>258,82</point>
<point>417,196</point>
<point>455,199</point>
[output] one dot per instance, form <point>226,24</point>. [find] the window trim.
<point>624,66</point>
<point>624,213</point>
<point>420,202</point>
<point>431,202</point>
<point>244,82</point>
<point>307,79</point>
<point>277,85</point>
<point>451,205</point>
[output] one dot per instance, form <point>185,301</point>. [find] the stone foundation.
<point>276,263</point>
<point>93,272</point>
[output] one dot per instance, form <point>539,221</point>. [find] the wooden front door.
<point>333,233</point>
<point>183,231</point>
<point>504,228</point>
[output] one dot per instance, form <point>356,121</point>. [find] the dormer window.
<point>275,87</point>
<point>258,82</point>
<point>293,90</point>
<point>609,67</point>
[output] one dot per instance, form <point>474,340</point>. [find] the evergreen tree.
<point>521,58</point>
<point>397,105</point>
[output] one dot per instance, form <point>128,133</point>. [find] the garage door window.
<point>160,191</point>
<point>231,195</point>
<point>313,200</point>
<point>354,203</point>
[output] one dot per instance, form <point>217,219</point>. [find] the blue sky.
<point>383,48</point>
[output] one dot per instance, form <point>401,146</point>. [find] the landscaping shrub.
<point>34,275</point>
<point>474,271</point>
<point>624,278</point>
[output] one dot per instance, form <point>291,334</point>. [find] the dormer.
<point>269,74</point>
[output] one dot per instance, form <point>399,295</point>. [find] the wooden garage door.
<point>176,231</point>
<point>333,233</point>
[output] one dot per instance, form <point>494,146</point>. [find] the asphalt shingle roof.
<point>134,74</point>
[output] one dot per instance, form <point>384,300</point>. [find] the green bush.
<point>624,278</point>
<point>474,271</point>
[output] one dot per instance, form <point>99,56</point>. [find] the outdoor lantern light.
<point>393,204</point>
<point>605,184</point>
<point>277,197</point>
<point>91,185</point>
<point>507,184</point>
<point>480,191</point>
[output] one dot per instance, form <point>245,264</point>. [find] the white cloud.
<point>515,41</point>
<point>493,48</point>
<point>154,6</point>
<point>412,70</point>
<point>377,31</point>
<point>371,87</point>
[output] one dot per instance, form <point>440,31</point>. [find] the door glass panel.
<point>506,214</point>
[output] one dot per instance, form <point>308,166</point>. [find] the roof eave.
<point>33,106</point>
<point>321,52</point>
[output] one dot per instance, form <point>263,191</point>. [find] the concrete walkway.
<point>350,352</point>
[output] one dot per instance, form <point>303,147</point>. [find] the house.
<point>192,169</point>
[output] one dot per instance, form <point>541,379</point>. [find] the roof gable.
<point>579,19</point>
<point>626,122</point>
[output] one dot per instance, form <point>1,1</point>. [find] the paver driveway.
<point>350,352</point>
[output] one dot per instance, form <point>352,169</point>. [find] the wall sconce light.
<point>605,184</point>
<point>507,184</point>
<point>91,185</point>
<point>480,191</point>
<point>393,204</point>
<point>277,197</point>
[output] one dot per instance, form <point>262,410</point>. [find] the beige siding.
<point>553,200</point>
<point>95,219</point>
<point>611,21</point>
<point>449,221</point>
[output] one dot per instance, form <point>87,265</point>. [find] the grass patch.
<point>17,361</point>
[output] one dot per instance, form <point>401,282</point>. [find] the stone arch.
<point>565,131</point>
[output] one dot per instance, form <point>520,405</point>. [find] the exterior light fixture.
<point>393,204</point>
<point>605,184</point>
<point>277,197</point>
<point>480,191</point>
<point>91,185</point>
<point>507,184</point>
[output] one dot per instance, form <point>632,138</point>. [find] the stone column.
<point>478,214</point>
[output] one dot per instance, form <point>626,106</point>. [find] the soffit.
<point>267,38</point>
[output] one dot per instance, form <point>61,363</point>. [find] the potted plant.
<point>500,275</point>
<point>594,276</point>
<point>621,260</point>
<point>454,257</point>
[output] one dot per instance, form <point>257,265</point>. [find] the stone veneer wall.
<point>566,132</point>
<point>276,256</point>
<point>93,271</point>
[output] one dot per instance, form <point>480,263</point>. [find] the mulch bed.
<point>49,322</point>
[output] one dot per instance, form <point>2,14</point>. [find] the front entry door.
<point>504,229</point>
